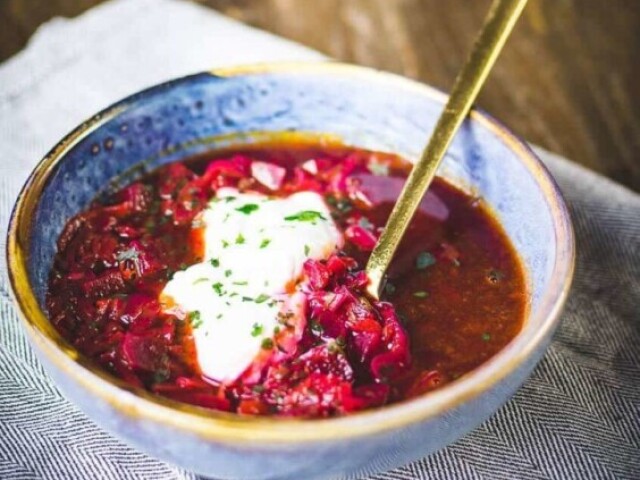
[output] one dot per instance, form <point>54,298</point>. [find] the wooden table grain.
<point>568,80</point>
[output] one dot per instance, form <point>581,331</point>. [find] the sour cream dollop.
<point>255,249</point>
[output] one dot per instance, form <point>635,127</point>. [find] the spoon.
<point>498,24</point>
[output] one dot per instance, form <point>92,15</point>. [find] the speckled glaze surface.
<point>360,107</point>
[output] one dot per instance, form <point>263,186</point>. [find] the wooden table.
<point>569,80</point>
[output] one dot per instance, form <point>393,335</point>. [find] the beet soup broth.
<point>234,281</point>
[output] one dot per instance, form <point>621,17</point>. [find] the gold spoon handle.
<point>500,20</point>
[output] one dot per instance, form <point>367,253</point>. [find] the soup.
<point>234,281</point>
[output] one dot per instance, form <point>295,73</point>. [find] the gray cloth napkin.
<point>577,417</point>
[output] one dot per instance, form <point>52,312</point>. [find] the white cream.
<point>255,248</point>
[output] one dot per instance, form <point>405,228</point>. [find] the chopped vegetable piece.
<point>424,260</point>
<point>257,330</point>
<point>248,208</point>
<point>305,216</point>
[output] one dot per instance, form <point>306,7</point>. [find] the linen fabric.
<point>577,417</point>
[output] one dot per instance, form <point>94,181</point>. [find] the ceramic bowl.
<point>360,107</point>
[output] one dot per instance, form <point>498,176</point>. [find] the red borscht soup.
<point>234,281</point>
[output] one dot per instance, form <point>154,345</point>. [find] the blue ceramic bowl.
<point>361,107</point>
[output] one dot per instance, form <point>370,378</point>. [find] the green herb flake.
<point>305,216</point>
<point>267,344</point>
<point>262,298</point>
<point>229,199</point>
<point>217,287</point>
<point>227,273</point>
<point>316,328</point>
<point>494,275</point>
<point>248,208</point>
<point>150,224</point>
<point>247,299</point>
<point>389,288</point>
<point>239,239</point>
<point>219,316</point>
<point>243,282</point>
<point>128,254</point>
<point>214,262</point>
<point>307,249</point>
<point>486,337</point>
<point>256,330</point>
<point>342,205</point>
<point>265,243</point>
<point>424,260</point>
<point>225,244</point>
<point>194,318</point>
<point>420,294</point>
<point>200,280</point>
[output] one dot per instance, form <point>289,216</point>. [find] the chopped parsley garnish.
<point>247,299</point>
<point>305,216</point>
<point>420,294</point>
<point>307,249</point>
<point>229,199</point>
<point>248,208</point>
<point>267,344</point>
<point>128,254</point>
<point>225,244</point>
<point>256,330</point>
<point>486,337</point>
<point>389,288</point>
<point>243,282</point>
<point>214,262</point>
<point>217,287</point>
<point>219,316</point>
<point>316,328</point>
<point>227,273</point>
<point>194,318</point>
<point>200,280</point>
<point>240,239</point>
<point>343,205</point>
<point>495,276</point>
<point>265,243</point>
<point>261,298</point>
<point>150,224</point>
<point>424,260</point>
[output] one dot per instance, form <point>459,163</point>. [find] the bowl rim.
<point>138,404</point>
